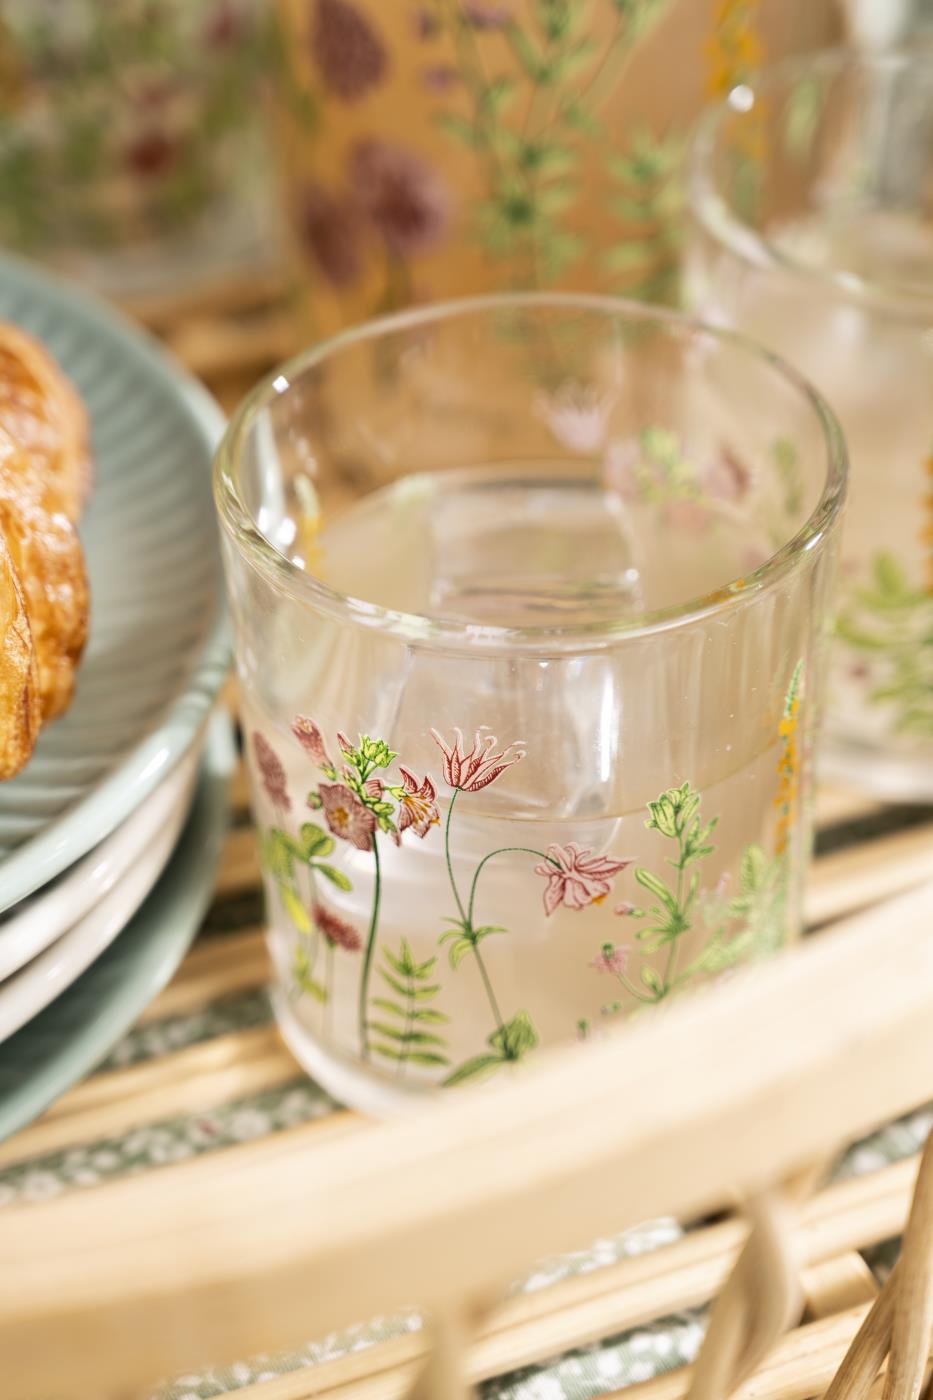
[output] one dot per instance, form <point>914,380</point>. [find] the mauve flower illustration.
<point>311,740</point>
<point>347,50</point>
<point>271,772</point>
<point>337,931</point>
<point>403,197</point>
<point>575,877</point>
<point>483,16</point>
<point>728,479</point>
<point>625,910</point>
<point>346,815</point>
<point>440,77</point>
<point>329,227</point>
<point>223,26</point>
<point>611,959</point>
<point>470,772</point>
<point>150,154</point>
<point>425,24</point>
<point>417,805</point>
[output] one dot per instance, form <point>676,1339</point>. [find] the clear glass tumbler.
<point>812,200</point>
<point>530,636</point>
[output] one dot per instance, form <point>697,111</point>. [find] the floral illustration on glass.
<point>888,623</point>
<point>751,923</point>
<point>573,877</point>
<point>365,796</point>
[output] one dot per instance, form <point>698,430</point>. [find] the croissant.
<point>44,481</point>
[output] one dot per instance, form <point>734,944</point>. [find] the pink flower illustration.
<point>271,772</point>
<point>728,479</point>
<point>611,959</point>
<point>625,910</point>
<point>470,772</point>
<point>374,787</point>
<point>425,24</point>
<point>311,740</point>
<point>575,877</point>
<point>480,15</point>
<point>346,815</point>
<point>329,228</point>
<point>403,197</point>
<point>347,50</point>
<point>577,415</point>
<point>337,931</point>
<point>440,77</point>
<point>417,807</point>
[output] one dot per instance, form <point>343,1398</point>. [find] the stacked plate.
<point>88,830</point>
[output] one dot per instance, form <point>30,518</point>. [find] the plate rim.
<point>94,816</point>
<point>164,927</point>
<point>51,913</point>
<point>27,993</point>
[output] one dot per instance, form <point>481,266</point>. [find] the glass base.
<point>345,1080</point>
<point>885,774</point>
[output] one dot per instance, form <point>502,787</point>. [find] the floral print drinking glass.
<point>813,231</point>
<point>529,632</point>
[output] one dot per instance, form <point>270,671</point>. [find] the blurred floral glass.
<point>813,204</point>
<point>472,145</point>
<point>129,137</point>
<point>529,631</point>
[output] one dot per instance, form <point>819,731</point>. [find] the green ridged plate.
<point>158,648</point>
<point>72,1036</point>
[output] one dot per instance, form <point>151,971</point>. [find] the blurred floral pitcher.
<point>460,146</point>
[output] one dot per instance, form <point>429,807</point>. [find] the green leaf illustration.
<point>460,129</point>
<point>652,979</point>
<point>473,1068</point>
<point>335,876</point>
<point>516,1037</point>
<point>890,621</point>
<point>315,841</point>
<point>656,886</point>
<point>304,980</point>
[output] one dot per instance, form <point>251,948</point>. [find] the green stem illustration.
<point>502,850</point>
<point>329,987</point>
<point>450,867</point>
<point>673,952</point>
<point>368,954</point>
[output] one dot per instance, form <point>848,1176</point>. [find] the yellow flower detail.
<point>734,50</point>
<point>926,534</point>
<point>788,764</point>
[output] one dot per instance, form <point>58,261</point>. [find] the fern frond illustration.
<point>408,1029</point>
<point>890,624</point>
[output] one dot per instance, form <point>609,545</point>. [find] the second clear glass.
<point>812,205</point>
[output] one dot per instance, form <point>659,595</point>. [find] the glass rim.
<point>726,227</point>
<point>451,633</point>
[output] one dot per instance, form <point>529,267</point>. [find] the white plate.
<point>157,651</point>
<point>32,926</point>
<point>26,993</point>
